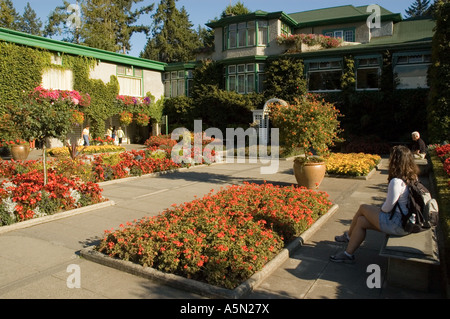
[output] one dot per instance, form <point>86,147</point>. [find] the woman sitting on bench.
<point>402,169</point>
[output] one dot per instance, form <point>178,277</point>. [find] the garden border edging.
<point>201,288</point>
<point>56,216</point>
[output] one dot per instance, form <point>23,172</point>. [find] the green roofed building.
<point>244,43</point>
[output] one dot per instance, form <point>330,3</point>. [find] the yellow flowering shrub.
<point>64,151</point>
<point>352,164</point>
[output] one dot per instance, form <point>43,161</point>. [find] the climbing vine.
<point>21,70</point>
<point>103,95</point>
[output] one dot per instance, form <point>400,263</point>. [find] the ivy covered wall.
<point>21,70</point>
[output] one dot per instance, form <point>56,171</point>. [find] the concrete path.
<point>34,261</point>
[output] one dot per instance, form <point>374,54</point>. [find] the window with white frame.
<point>348,35</point>
<point>130,80</point>
<point>324,75</point>
<point>245,78</point>
<point>411,70</point>
<point>368,72</point>
<point>178,83</point>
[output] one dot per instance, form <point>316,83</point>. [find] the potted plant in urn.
<point>13,137</point>
<point>312,125</point>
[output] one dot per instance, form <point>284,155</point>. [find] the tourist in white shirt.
<point>402,170</point>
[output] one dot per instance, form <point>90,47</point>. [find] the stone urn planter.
<point>20,152</point>
<point>309,174</point>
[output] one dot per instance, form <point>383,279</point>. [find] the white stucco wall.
<point>153,83</point>
<point>152,80</point>
<point>103,71</point>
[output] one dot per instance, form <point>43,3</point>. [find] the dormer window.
<point>348,35</point>
<point>246,34</point>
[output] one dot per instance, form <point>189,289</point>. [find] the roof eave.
<point>17,37</point>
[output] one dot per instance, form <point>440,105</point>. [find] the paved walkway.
<point>34,260</point>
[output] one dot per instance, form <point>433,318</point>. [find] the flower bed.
<point>94,149</point>
<point>440,161</point>
<point>352,164</point>
<point>131,163</point>
<point>222,238</point>
<point>296,40</point>
<point>443,152</point>
<point>25,196</point>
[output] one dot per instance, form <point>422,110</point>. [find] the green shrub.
<point>284,79</point>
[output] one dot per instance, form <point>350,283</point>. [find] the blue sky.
<point>200,11</point>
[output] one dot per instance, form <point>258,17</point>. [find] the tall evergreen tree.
<point>108,24</point>
<point>9,18</point>
<point>173,39</point>
<point>60,23</point>
<point>419,8</point>
<point>238,9</point>
<point>29,22</point>
<point>102,24</point>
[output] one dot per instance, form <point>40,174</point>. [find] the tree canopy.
<point>420,8</point>
<point>102,24</point>
<point>11,19</point>
<point>173,39</point>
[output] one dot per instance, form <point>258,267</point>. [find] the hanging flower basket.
<point>126,118</point>
<point>77,117</point>
<point>142,119</point>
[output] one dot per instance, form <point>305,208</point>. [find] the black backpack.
<point>420,205</point>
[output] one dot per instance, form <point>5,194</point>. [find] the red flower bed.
<point>164,142</point>
<point>160,142</point>
<point>222,238</point>
<point>443,151</point>
<point>132,163</point>
<point>24,196</point>
<point>444,154</point>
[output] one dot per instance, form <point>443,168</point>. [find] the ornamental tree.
<point>49,114</point>
<point>308,123</point>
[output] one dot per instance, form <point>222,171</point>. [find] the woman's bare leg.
<point>367,217</point>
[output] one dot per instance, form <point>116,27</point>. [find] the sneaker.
<point>342,257</point>
<point>343,238</point>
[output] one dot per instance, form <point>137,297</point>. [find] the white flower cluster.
<point>75,195</point>
<point>10,207</point>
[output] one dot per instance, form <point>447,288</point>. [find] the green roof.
<point>408,35</point>
<point>341,14</point>
<point>22,38</point>
<point>252,16</point>
<point>408,31</point>
<point>326,16</point>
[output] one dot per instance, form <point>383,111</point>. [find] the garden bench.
<point>413,260</point>
<point>423,166</point>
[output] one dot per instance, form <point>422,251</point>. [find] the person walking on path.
<point>402,171</point>
<point>120,135</point>
<point>85,136</point>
